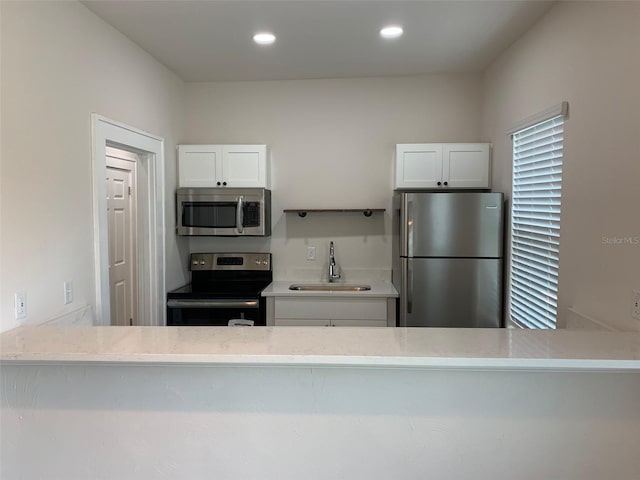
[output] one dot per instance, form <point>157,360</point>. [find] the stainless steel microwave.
<point>223,211</point>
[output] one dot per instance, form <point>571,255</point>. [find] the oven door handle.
<point>240,214</point>
<point>212,303</point>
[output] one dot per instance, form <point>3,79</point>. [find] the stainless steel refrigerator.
<point>448,258</point>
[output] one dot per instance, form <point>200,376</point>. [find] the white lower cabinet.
<point>329,312</point>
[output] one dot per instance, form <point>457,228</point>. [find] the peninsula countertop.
<point>427,348</point>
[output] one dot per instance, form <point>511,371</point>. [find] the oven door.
<point>214,312</point>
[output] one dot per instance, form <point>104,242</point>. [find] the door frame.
<point>150,149</point>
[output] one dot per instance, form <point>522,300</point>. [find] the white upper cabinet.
<point>418,165</point>
<point>223,166</point>
<point>466,165</point>
<point>199,165</point>
<point>442,165</point>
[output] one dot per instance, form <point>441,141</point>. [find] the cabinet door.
<point>199,165</point>
<point>418,165</point>
<point>466,165</point>
<point>245,166</point>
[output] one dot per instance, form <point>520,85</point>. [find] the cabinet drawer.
<point>301,322</point>
<point>355,322</point>
<point>343,308</point>
<point>318,322</point>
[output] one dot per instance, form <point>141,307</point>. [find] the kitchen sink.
<point>326,287</point>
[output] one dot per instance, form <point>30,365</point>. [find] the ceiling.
<point>203,41</point>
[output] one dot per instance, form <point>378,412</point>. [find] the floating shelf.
<point>302,212</point>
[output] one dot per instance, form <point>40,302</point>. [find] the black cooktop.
<point>226,275</point>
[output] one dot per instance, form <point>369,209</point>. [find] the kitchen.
<point>52,81</point>
<point>311,119</point>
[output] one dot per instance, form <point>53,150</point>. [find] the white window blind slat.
<point>542,253</point>
<point>535,220</point>
<point>538,228</point>
<point>541,281</point>
<point>537,191</point>
<point>532,264</point>
<point>539,247</point>
<point>538,149</point>
<point>541,278</point>
<point>525,268</point>
<point>531,315</point>
<point>544,137</point>
<point>538,165</point>
<point>536,302</point>
<point>526,318</point>
<point>544,216</point>
<point>544,240</point>
<point>540,209</point>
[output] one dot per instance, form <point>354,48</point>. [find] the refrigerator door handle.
<point>409,287</point>
<point>408,225</point>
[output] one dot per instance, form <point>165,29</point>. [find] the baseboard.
<point>82,316</point>
<point>577,320</point>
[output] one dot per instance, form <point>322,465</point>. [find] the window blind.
<point>535,224</point>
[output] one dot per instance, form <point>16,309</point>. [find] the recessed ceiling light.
<point>264,38</point>
<point>391,31</point>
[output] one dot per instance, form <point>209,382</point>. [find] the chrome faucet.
<point>333,268</point>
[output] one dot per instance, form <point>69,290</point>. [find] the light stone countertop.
<point>426,348</point>
<point>379,289</point>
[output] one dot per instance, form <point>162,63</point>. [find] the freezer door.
<point>454,292</point>
<point>452,225</point>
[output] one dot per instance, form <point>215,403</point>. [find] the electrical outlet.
<point>311,253</point>
<point>20,300</point>
<point>635,305</point>
<point>68,292</point>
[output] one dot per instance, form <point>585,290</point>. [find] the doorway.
<point>143,167</point>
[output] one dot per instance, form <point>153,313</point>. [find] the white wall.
<point>125,422</point>
<point>60,63</point>
<point>332,144</point>
<point>585,53</point>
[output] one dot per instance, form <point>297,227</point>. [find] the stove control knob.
<point>264,262</point>
<point>195,262</point>
<point>257,262</point>
<point>201,262</point>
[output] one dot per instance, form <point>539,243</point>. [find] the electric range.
<point>225,290</point>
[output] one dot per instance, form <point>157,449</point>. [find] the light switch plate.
<point>635,305</point>
<point>311,253</point>
<point>20,300</point>
<point>68,292</point>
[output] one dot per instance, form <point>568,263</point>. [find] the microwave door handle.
<point>240,215</point>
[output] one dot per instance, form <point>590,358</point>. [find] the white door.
<point>121,217</point>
